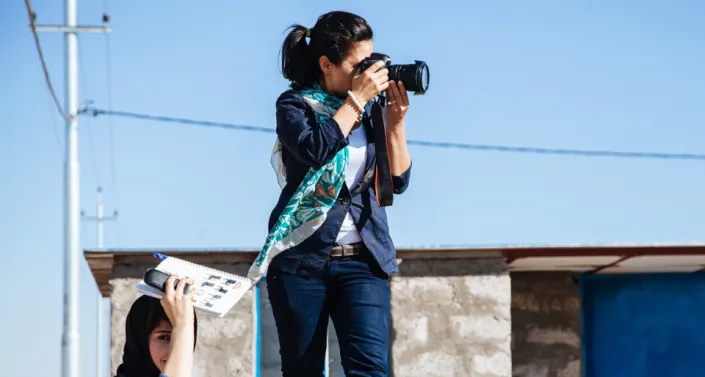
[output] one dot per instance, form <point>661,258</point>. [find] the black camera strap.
<point>384,189</point>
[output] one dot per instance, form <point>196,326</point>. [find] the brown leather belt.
<point>347,250</point>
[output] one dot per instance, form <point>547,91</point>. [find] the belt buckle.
<point>346,249</point>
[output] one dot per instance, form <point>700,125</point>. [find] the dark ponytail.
<point>295,57</point>
<point>332,36</point>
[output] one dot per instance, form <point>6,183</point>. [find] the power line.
<point>111,128</point>
<point>55,125</point>
<point>100,343</point>
<point>91,144</point>
<point>96,112</point>
<point>560,151</point>
<point>32,20</point>
<point>432,144</point>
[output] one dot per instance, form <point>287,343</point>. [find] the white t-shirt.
<point>357,148</point>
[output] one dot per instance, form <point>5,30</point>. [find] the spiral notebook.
<point>218,291</point>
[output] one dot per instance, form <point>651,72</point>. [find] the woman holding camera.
<point>338,264</point>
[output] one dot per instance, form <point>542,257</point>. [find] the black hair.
<point>155,314</point>
<point>332,36</point>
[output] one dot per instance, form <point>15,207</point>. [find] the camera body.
<point>415,76</point>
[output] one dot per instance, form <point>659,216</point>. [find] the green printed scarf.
<point>308,207</point>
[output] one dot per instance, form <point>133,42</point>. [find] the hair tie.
<point>308,33</point>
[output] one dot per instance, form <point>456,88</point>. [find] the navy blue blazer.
<point>306,144</point>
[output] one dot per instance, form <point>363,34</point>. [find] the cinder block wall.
<point>545,325</point>
<point>451,318</point>
<point>224,345</point>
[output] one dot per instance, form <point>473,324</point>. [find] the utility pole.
<point>99,218</point>
<point>70,340</point>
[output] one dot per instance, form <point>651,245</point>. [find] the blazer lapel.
<point>368,177</point>
<point>367,123</point>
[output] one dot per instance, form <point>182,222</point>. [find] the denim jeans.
<point>354,293</point>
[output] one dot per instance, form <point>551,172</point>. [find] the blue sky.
<point>623,75</point>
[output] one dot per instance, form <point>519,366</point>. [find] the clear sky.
<point>623,75</point>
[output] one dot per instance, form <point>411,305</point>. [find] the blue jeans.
<point>354,292</point>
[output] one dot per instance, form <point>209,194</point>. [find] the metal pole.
<point>99,304</point>
<point>100,219</point>
<point>71,336</point>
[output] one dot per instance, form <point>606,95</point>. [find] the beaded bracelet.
<point>360,108</point>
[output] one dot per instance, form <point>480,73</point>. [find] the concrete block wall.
<point>467,318</point>
<point>546,340</point>
<point>451,318</point>
<point>224,345</point>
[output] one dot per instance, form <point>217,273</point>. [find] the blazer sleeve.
<point>401,182</point>
<point>300,134</point>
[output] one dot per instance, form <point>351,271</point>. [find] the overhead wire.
<point>111,128</point>
<point>33,25</point>
<point>55,125</point>
<point>109,88</point>
<point>423,143</point>
<point>91,143</point>
<point>111,125</point>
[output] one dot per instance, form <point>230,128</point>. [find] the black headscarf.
<point>143,318</point>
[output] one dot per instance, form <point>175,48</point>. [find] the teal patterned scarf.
<point>308,207</point>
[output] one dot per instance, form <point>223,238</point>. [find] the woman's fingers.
<point>381,72</point>
<point>376,67</point>
<point>374,73</point>
<point>382,75</point>
<point>382,81</point>
<point>392,93</point>
<point>192,291</point>
<point>179,294</point>
<point>404,96</point>
<point>169,287</point>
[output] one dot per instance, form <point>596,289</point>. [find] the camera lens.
<point>415,76</point>
<point>425,77</point>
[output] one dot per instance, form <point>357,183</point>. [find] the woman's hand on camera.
<point>177,305</point>
<point>366,85</point>
<point>397,105</point>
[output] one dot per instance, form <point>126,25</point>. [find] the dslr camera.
<point>414,76</point>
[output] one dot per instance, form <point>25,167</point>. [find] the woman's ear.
<point>325,64</point>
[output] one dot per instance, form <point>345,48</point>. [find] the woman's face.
<point>338,78</point>
<point>159,341</point>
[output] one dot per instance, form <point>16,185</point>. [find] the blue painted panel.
<point>644,325</point>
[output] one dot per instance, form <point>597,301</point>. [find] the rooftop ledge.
<point>584,258</point>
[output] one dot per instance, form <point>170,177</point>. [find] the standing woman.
<point>335,252</point>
